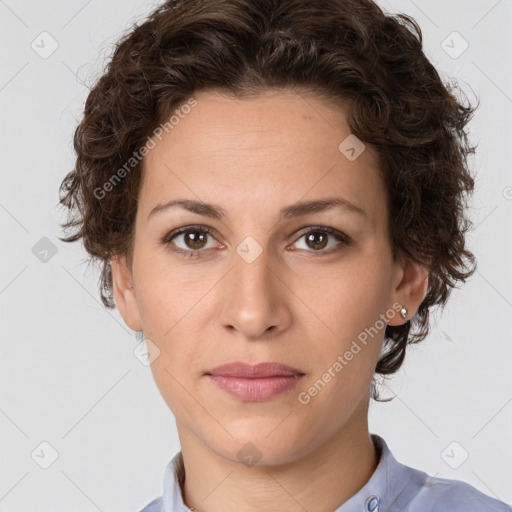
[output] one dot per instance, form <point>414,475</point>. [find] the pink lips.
<point>255,383</point>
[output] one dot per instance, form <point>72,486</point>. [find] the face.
<point>258,277</point>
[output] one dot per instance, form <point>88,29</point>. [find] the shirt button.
<point>371,504</point>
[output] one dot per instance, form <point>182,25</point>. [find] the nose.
<point>254,299</point>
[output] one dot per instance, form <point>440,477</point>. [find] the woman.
<point>276,190</point>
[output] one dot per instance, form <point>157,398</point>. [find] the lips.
<point>255,382</point>
<point>257,371</point>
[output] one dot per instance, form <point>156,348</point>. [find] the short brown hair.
<point>347,50</point>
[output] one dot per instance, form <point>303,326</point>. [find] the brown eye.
<point>189,239</point>
<point>195,239</point>
<point>317,239</point>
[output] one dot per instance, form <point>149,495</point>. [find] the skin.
<point>297,303</point>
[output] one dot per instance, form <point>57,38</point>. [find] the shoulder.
<point>407,489</point>
<point>154,506</point>
<point>443,495</point>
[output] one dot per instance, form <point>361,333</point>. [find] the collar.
<point>384,489</point>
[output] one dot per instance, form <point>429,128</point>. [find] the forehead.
<point>261,152</point>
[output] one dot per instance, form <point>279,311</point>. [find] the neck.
<point>321,480</point>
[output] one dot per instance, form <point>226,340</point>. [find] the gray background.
<point>68,375</point>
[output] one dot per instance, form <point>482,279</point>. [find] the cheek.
<point>167,293</point>
<point>177,360</point>
<point>177,392</point>
<point>171,305</point>
<point>347,343</point>
<point>348,296</point>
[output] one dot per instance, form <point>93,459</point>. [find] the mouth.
<point>255,383</point>
<point>255,371</point>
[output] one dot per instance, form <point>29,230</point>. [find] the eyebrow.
<point>294,210</point>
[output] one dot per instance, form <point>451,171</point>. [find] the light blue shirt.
<point>393,487</point>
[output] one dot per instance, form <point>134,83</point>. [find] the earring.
<point>403,312</point>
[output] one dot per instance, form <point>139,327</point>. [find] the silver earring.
<point>403,312</point>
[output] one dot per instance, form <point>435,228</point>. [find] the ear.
<point>124,292</point>
<point>410,286</point>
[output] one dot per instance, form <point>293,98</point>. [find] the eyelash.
<point>338,235</point>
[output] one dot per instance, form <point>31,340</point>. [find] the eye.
<point>190,240</point>
<point>316,239</point>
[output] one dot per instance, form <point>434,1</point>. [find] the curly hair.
<point>346,50</point>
